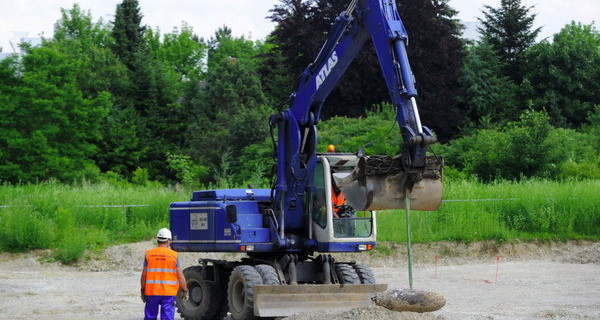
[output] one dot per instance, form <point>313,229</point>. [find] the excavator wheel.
<point>346,274</point>
<point>204,297</point>
<point>240,292</point>
<point>268,274</point>
<point>365,274</point>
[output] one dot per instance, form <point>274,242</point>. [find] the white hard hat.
<point>163,235</point>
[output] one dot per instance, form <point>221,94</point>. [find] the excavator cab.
<point>337,222</point>
<point>367,184</point>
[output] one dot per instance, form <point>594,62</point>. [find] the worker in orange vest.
<point>338,200</point>
<point>162,279</point>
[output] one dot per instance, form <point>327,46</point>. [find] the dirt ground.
<point>478,280</point>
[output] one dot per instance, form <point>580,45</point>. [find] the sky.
<point>30,18</point>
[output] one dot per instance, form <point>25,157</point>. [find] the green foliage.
<point>71,247</point>
<point>71,221</point>
<point>563,76</point>
<point>128,33</point>
<point>574,154</point>
<point>25,229</point>
<point>593,126</point>
<point>256,165</point>
<point>231,114</point>
<point>521,149</point>
<point>140,177</point>
<point>528,149</point>
<point>186,171</point>
<point>488,93</point>
<point>377,133</point>
<point>239,50</point>
<point>509,30</point>
<point>48,128</point>
<point>99,100</point>
<point>100,72</point>
<point>574,170</point>
<point>275,77</point>
<point>181,50</point>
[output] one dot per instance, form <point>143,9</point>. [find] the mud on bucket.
<point>378,183</point>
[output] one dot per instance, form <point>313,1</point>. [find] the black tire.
<point>365,274</point>
<point>240,292</point>
<point>205,297</point>
<point>267,274</point>
<point>346,274</point>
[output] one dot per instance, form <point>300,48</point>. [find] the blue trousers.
<point>166,304</point>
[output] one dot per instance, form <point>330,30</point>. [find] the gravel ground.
<point>479,281</point>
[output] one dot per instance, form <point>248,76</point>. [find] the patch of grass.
<point>25,229</point>
<point>72,219</point>
<point>530,209</point>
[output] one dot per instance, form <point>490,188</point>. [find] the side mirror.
<point>231,213</point>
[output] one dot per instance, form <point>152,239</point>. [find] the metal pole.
<point>408,241</point>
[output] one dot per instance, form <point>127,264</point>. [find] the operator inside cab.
<point>338,200</point>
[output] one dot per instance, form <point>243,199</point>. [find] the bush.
<point>24,229</point>
<point>185,170</point>
<point>573,170</point>
<point>527,148</point>
<point>140,177</point>
<point>70,248</point>
<point>377,134</point>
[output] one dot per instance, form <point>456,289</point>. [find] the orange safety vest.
<point>337,200</point>
<point>161,272</point>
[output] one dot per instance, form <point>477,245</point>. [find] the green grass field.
<point>531,209</point>
<point>72,219</point>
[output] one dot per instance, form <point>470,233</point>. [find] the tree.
<point>151,92</point>
<point>48,127</point>
<point>563,76</point>
<point>275,77</point>
<point>77,36</point>
<point>231,112</point>
<point>435,54</point>
<point>508,29</point>
<point>102,73</point>
<point>181,52</point>
<point>489,95</point>
<point>128,33</point>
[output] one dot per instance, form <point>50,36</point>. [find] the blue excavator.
<point>288,235</point>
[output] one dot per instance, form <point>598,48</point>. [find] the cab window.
<point>319,200</point>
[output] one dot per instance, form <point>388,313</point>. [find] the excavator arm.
<point>367,188</point>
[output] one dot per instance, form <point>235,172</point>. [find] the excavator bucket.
<point>379,183</point>
<point>287,300</point>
